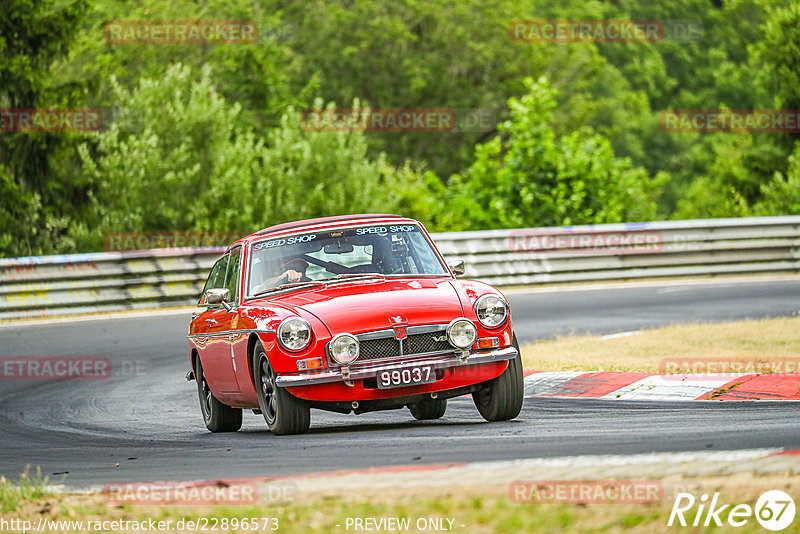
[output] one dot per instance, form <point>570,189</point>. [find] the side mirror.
<point>457,266</point>
<point>221,295</point>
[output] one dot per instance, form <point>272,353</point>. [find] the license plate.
<point>406,376</point>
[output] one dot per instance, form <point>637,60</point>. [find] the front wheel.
<point>501,399</point>
<point>428,409</point>
<point>217,416</point>
<point>283,412</point>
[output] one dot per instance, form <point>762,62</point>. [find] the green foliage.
<point>782,193</point>
<point>178,157</point>
<point>534,178</point>
<point>458,55</point>
<point>39,194</point>
<point>255,75</point>
<point>28,488</point>
<point>778,54</point>
<point>209,137</point>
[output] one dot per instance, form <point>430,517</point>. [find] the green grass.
<point>479,514</point>
<point>28,488</point>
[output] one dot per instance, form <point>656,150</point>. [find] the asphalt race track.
<point>620,309</point>
<point>144,423</point>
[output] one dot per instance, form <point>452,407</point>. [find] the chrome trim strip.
<point>376,334</point>
<point>228,332</point>
<point>360,373</point>
<point>426,329</point>
<point>395,359</point>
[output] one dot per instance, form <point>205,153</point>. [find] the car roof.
<point>325,221</point>
<point>308,223</point>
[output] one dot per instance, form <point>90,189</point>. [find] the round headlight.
<point>294,333</point>
<point>344,348</point>
<point>462,333</point>
<point>492,311</point>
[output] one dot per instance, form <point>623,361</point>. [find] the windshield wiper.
<point>293,285</point>
<point>346,277</point>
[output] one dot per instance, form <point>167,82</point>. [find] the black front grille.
<point>375,349</point>
<point>420,343</point>
<point>378,349</point>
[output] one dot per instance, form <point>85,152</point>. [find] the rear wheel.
<point>217,416</point>
<point>283,412</point>
<point>501,399</point>
<point>428,409</point>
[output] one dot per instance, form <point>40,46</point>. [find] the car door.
<point>216,357</point>
<point>237,341</point>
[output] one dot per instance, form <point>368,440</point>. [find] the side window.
<point>217,277</point>
<point>232,276</point>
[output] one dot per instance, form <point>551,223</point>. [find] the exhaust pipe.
<point>355,405</point>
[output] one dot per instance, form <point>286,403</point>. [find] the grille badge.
<point>400,332</point>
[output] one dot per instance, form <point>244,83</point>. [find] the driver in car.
<point>291,270</point>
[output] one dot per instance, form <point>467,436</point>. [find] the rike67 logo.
<point>774,510</point>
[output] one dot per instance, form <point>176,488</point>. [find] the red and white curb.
<point>675,387</point>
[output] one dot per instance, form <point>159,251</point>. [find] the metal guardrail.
<point>109,281</point>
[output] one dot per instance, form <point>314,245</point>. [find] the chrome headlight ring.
<point>344,348</point>
<point>462,333</point>
<point>492,311</point>
<point>294,334</point>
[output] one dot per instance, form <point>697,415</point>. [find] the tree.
<point>179,158</point>
<point>37,199</point>
<point>778,54</point>
<point>534,178</point>
<point>782,193</point>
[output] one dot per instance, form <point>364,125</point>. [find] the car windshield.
<point>385,250</point>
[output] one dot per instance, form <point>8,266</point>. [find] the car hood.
<point>365,306</point>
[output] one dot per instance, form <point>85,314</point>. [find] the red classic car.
<point>349,314</point>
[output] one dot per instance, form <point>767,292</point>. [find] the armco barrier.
<point>69,284</point>
<point>106,281</point>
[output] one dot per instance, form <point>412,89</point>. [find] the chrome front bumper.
<point>348,374</point>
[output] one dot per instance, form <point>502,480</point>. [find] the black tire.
<point>217,416</point>
<point>428,409</point>
<point>283,412</point>
<point>502,399</point>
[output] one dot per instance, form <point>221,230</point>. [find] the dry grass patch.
<point>485,510</point>
<point>760,340</point>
